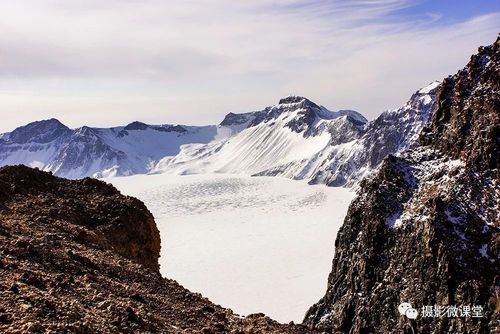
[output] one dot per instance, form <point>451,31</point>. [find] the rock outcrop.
<point>425,229</point>
<point>78,257</point>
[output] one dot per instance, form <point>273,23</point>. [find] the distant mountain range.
<point>99,152</point>
<point>299,139</point>
<point>295,138</point>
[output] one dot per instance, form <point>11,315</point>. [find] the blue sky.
<point>104,63</point>
<point>450,11</point>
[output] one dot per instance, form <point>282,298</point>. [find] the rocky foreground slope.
<point>78,257</point>
<point>425,229</point>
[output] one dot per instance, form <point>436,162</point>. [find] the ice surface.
<point>253,244</point>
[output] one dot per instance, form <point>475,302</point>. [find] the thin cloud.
<point>194,61</point>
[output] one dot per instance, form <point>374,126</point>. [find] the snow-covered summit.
<point>392,132</point>
<point>136,125</point>
<point>302,115</point>
<point>293,102</point>
<point>289,133</point>
<point>38,132</point>
<point>297,113</point>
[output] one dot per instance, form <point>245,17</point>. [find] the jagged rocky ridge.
<point>425,229</point>
<point>295,138</point>
<point>392,132</point>
<point>78,257</point>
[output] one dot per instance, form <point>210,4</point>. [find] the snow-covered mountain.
<point>295,129</point>
<point>392,132</point>
<point>298,139</point>
<point>99,152</point>
<point>295,138</point>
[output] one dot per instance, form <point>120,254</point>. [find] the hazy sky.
<point>105,63</point>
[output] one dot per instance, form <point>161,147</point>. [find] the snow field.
<point>253,244</point>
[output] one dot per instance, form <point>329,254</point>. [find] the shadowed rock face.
<point>79,257</point>
<point>105,217</point>
<point>466,121</point>
<point>425,229</point>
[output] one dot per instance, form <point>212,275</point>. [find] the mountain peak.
<point>353,115</point>
<point>298,100</point>
<point>39,131</point>
<point>292,99</point>
<point>85,131</point>
<point>136,125</point>
<point>54,121</point>
<point>47,123</point>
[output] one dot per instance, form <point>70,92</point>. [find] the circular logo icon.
<point>403,307</point>
<point>407,310</point>
<point>411,313</point>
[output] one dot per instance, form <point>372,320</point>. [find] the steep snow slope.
<point>293,130</point>
<point>51,146</point>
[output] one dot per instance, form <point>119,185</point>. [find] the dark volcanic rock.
<point>238,119</point>
<point>78,257</point>
<point>136,126</point>
<point>425,229</point>
<point>466,122</point>
<point>170,128</point>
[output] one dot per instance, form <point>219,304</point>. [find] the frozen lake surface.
<point>252,244</point>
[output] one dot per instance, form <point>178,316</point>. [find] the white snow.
<point>331,151</point>
<point>395,221</point>
<point>250,151</point>
<point>430,87</point>
<point>140,149</point>
<point>426,99</point>
<point>31,154</point>
<point>253,244</point>
<point>153,144</point>
<point>37,164</point>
